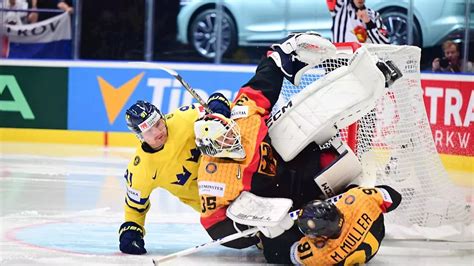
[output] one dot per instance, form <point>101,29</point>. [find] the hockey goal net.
<point>395,146</point>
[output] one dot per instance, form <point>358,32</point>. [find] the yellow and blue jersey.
<point>173,168</point>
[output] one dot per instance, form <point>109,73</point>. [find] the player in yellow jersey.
<point>347,232</point>
<point>167,158</point>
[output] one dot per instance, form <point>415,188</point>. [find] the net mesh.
<point>396,148</point>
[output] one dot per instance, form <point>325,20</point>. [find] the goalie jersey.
<point>361,233</point>
<point>173,168</point>
<point>221,180</point>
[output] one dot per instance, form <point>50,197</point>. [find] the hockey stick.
<point>178,78</point>
<point>206,245</point>
<point>293,215</point>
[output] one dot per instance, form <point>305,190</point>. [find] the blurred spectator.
<point>166,25</point>
<point>14,17</point>
<point>114,30</point>
<point>65,5</point>
<point>451,62</point>
<point>353,22</point>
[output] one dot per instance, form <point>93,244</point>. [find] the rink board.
<point>125,139</point>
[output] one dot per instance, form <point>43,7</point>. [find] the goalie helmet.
<point>142,116</point>
<point>218,136</point>
<point>319,218</point>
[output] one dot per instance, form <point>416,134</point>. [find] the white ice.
<point>62,205</point>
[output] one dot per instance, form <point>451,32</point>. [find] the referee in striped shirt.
<point>353,22</point>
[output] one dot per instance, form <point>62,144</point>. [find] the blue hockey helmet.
<point>141,116</point>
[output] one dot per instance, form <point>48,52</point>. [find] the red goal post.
<point>351,133</point>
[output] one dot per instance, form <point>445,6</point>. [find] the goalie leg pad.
<point>334,178</point>
<point>339,99</point>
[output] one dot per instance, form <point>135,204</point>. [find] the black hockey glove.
<point>218,103</point>
<point>131,239</point>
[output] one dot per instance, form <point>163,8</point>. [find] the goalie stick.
<point>234,213</point>
<point>293,215</point>
<point>178,78</point>
<point>206,245</point>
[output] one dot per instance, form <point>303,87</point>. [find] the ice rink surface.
<point>62,205</point>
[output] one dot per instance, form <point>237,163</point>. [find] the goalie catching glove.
<point>131,239</point>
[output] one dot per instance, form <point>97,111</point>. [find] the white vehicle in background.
<point>255,23</point>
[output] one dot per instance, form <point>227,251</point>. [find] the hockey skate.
<point>299,52</point>
<point>390,71</point>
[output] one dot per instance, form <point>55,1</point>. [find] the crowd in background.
<point>114,30</point>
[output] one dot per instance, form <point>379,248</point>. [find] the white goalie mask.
<point>218,136</point>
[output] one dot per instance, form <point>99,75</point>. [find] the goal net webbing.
<point>395,146</point>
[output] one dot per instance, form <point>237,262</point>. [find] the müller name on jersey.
<point>355,234</point>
